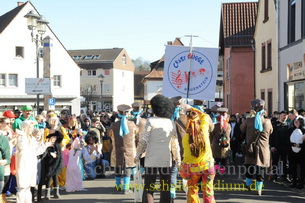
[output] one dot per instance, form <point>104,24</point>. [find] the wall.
<point>17,34</point>
<point>264,32</point>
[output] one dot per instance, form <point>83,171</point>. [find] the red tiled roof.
<point>154,74</point>
<point>238,23</point>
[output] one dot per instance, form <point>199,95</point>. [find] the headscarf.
<point>124,126</point>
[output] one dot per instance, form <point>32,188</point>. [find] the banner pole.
<point>190,56</point>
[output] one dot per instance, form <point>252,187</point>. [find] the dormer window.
<point>96,57</point>
<point>88,57</point>
<point>77,57</point>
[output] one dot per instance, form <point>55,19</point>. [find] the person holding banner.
<point>198,163</point>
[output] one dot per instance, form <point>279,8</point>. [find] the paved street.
<point>102,190</point>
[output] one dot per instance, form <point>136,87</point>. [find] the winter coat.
<point>123,148</point>
<point>262,155</point>
<point>218,151</point>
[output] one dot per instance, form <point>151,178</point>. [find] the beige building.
<point>266,55</point>
<point>117,72</point>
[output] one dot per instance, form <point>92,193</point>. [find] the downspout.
<point>277,37</point>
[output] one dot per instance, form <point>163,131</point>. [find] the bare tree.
<point>141,64</point>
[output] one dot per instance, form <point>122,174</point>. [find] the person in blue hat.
<point>26,115</point>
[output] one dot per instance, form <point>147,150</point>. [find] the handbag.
<point>138,184</point>
<point>250,149</point>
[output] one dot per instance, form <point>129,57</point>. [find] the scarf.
<point>223,122</point>
<point>176,114</point>
<point>258,121</point>
<point>123,127</point>
<point>136,115</point>
<point>213,117</point>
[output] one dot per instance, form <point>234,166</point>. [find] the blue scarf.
<point>198,107</point>
<point>136,113</point>
<point>176,114</point>
<point>213,117</point>
<point>258,121</point>
<point>123,127</point>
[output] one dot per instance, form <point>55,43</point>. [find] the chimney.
<point>169,43</point>
<point>19,3</point>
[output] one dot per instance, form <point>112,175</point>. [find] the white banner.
<point>203,72</point>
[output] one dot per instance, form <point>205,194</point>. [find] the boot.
<point>259,187</point>
<point>33,194</point>
<point>48,193</point>
<point>57,195</point>
<point>39,194</point>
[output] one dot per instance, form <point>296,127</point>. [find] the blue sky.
<point>141,27</point>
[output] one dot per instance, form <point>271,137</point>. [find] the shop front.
<point>295,87</point>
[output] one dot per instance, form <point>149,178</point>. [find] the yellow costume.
<point>201,167</point>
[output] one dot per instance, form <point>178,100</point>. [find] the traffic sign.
<point>52,101</point>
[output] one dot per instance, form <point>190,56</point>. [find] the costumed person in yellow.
<point>198,162</point>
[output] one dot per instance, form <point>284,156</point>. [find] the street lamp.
<point>36,21</point>
<point>101,79</point>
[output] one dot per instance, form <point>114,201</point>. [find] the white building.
<point>18,62</point>
<point>117,71</point>
<point>291,21</point>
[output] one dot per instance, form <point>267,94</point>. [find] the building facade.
<point>237,28</point>
<point>115,69</point>
<point>291,34</point>
<point>266,55</point>
<point>18,63</point>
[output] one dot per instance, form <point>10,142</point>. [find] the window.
<point>266,10</point>
<point>77,57</point>
<point>269,55</point>
<point>57,81</point>
<point>2,80</point>
<point>303,19</point>
<point>88,57</point>
<point>12,80</point>
<point>269,104</point>
<point>263,56</point>
<point>96,57</point>
<point>124,59</point>
<point>94,88</point>
<point>19,52</point>
<point>106,88</point>
<point>91,72</point>
<point>291,21</point>
<point>228,64</point>
<point>107,72</point>
<point>123,74</point>
<point>263,94</point>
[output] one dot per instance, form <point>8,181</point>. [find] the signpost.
<point>37,86</point>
